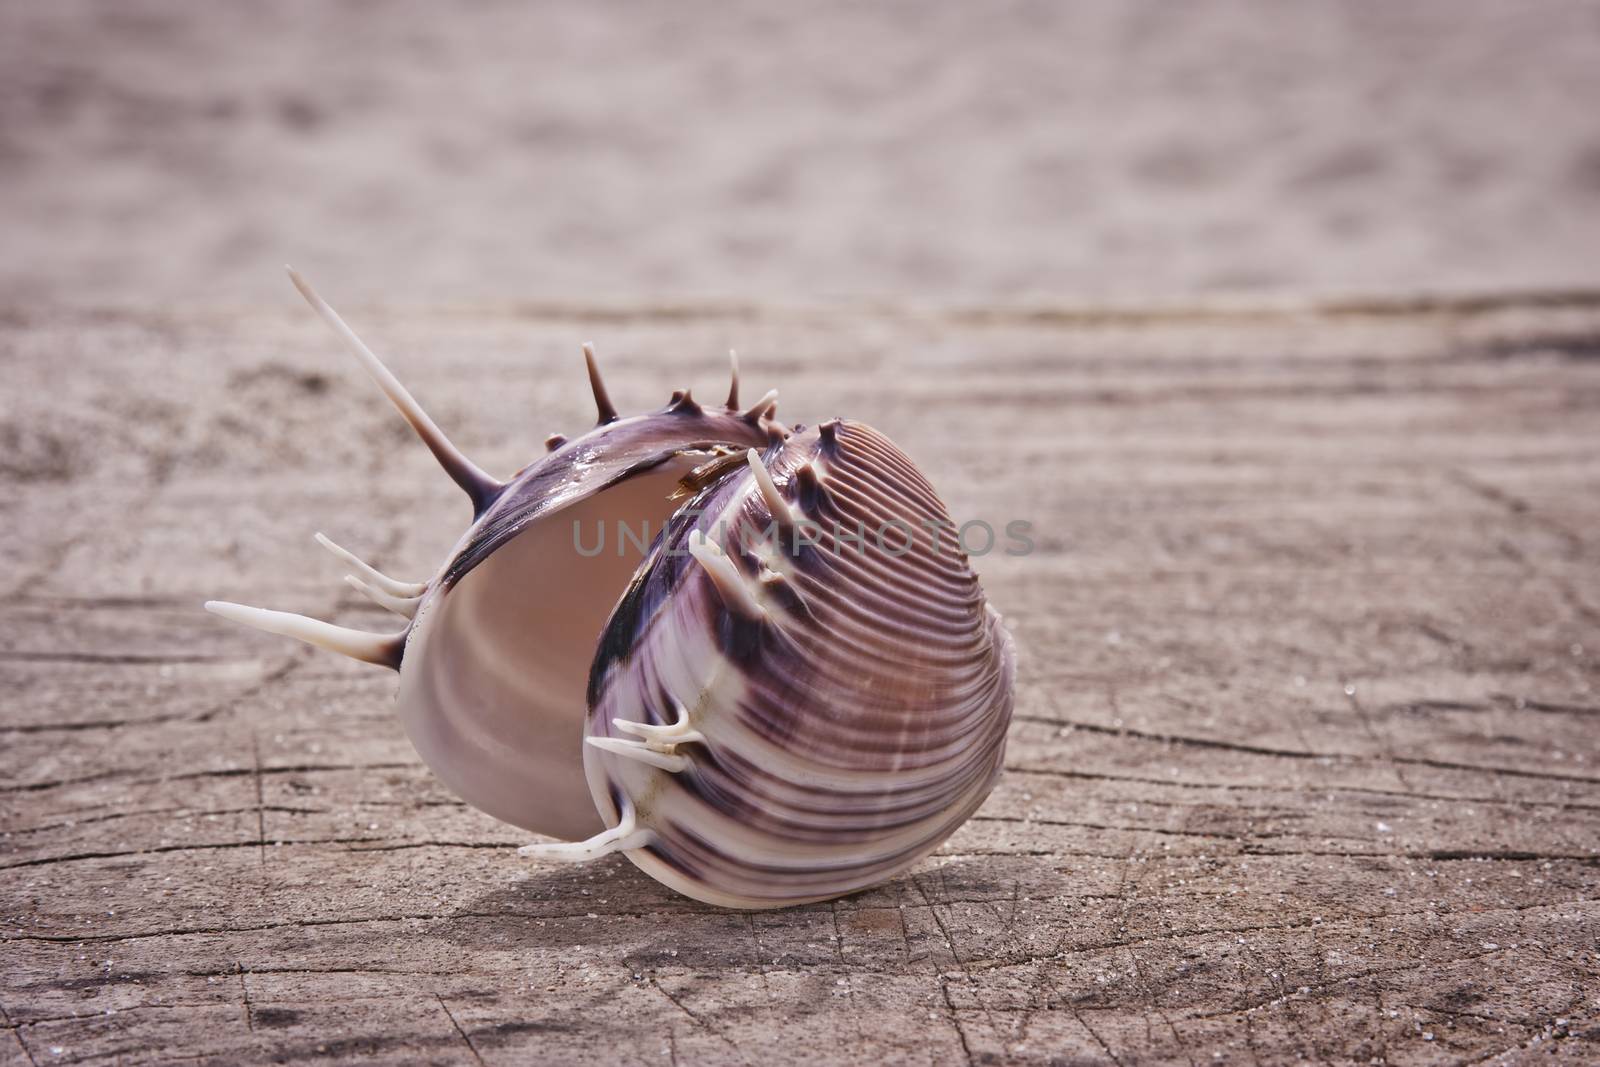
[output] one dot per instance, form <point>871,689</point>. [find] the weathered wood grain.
<point>1306,762</point>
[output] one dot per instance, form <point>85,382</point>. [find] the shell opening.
<point>497,690</point>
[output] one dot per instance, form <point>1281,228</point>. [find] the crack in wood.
<point>465,1040</point>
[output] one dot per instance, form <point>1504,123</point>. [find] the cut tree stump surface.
<point>1305,762</point>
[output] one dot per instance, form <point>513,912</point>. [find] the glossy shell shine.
<point>798,693</point>
<point>845,718</point>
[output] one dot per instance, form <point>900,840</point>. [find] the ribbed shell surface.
<point>848,708</point>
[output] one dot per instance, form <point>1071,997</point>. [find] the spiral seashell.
<point>800,692</point>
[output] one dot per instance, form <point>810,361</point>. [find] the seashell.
<point>798,693</point>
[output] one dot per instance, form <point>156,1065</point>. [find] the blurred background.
<point>177,153</point>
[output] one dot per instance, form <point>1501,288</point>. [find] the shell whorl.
<point>849,708</point>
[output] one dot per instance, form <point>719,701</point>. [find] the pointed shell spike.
<point>811,490</point>
<point>638,750</point>
<point>769,490</point>
<point>479,486</point>
<point>829,432</point>
<point>684,403</point>
<point>402,606</point>
<point>383,650</point>
<point>602,399</point>
<point>626,835</point>
<point>725,576</point>
<point>372,574</point>
<point>680,732</point>
<point>733,387</point>
<point>763,408</point>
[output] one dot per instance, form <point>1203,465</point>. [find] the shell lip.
<point>600,459</point>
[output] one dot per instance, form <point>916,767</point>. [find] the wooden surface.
<point>1304,764</point>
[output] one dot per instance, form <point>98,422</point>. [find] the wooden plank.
<point>1305,759</point>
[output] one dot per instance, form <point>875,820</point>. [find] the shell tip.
<point>729,583</point>
<point>811,491</point>
<point>478,485</point>
<point>383,650</point>
<point>766,407</point>
<point>670,762</point>
<point>776,505</point>
<point>405,607</point>
<point>683,403</point>
<point>602,400</point>
<point>624,836</point>
<point>406,590</point>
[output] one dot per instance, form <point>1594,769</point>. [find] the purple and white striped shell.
<point>800,692</point>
